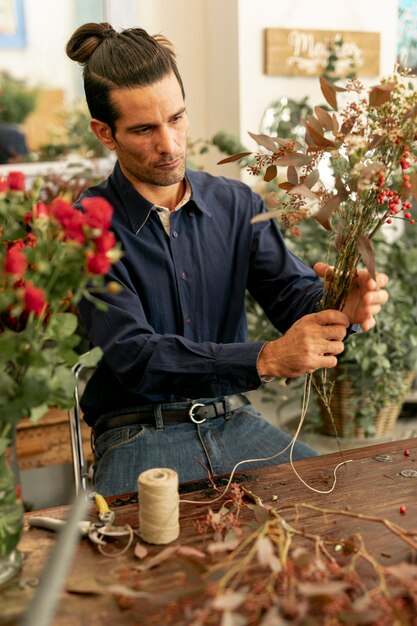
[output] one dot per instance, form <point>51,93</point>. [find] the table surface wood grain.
<point>377,482</point>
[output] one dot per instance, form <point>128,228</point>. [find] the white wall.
<point>43,62</point>
<point>256,90</point>
<point>219,46</point>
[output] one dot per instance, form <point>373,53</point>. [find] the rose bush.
<point>51,255</point>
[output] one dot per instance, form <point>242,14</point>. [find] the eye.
<point>144,130</point>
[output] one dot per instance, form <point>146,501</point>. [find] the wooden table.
<point>378,481</point>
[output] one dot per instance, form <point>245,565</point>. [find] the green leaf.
<point>91,358</point>
<point>37,412</point>
<point>62,325</point>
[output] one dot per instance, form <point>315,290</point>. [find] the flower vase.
<point>11,515</point>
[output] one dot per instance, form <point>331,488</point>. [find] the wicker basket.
<point>342,410</point>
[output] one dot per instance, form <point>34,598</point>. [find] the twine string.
<point>290,445</point>
<point>159,505</point>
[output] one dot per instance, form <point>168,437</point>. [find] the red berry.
<point>412,221</point>
<point>407,216</point>
<point>406,452</point>
<point>389,221</point>
<point>403,508</point>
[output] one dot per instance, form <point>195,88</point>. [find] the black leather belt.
<point>196,412</point>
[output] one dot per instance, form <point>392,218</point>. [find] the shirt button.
<point>184,275</point>
<point>191,213</point>
<point>174,234</point>
<point>188,320</point>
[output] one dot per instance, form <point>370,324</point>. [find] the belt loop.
<point>159,422</point>
<point>227,408</point>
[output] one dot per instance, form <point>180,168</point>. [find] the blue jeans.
<point>121,454</point>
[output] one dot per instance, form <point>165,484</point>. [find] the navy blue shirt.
<point>178,328</point>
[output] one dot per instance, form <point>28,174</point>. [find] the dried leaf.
<point>265,552</point>
<point>294,158</point>
<point>266,141</point>
<point>403,571</point>
<point>286,186</point>
<point>324,214</point>
<point>140,550</point>
<point>330,588</point>
<point>329,92</point>
<point>324,118</point>
<point>234,157</point>
<point>157,559</point>
<point>272,200</point>
<point>341,189</point>
<point>302,190</point>
<point>312,179</point>
<point>261,513</point>
<point>222,546</point>
<point>367,253</point>
<point>376,141</point>
<point>314,123</point>
<point>192,552</point>
<point>347,126</point>
<point>264,217</point>
<point>228,601</point>
<point>292,175</point>
<point>380,94</point>
<point>320,140</point>
<point>335,124</point>
<point>271,173</point>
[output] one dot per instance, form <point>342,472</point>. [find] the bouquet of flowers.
<point>367,139</point>
<point>51,255</point>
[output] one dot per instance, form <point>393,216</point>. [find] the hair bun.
<point>86,40</point>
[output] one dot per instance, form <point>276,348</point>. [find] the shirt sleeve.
<point>152,365</point>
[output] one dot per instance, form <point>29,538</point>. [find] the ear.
<point>103,133</point>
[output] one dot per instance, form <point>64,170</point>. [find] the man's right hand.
<point>310,344</point>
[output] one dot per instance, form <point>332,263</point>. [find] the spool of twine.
<point>158,505</point>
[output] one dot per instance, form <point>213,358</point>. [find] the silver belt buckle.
<point>191,413</point>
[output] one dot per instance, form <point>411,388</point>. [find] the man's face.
<point>151,132</point>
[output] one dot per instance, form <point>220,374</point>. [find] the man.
<point>176,360</point>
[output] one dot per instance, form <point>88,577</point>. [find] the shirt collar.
<point>135,208</point>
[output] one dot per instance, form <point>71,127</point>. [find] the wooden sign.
<point>299,52</point>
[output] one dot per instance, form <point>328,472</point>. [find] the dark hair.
<point>111,60</point>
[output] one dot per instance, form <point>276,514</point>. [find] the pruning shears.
<point>95,531</point>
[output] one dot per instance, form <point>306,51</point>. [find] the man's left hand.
<point>365,298</point>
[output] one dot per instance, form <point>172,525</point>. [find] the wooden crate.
<point>48,441</point>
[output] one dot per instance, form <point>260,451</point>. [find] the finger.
<point>368,324</point>
<point>333,347</point>
<point>376,297</point>
<point>382,280</point>
<point>334,332</point>
<point>331,316</point>
<point>323,270</point>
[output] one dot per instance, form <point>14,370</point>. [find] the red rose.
<point>41,209</point>
<point>98,212</point>
<point>98,263</point>
<point>16,181</point>
<point>71,219</point>
<point>15,261</point>
<point>105,242</point>
<point>34,299</point>
<point>74,227</point>
<point>3,184</point>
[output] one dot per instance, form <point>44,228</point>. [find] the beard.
<point>152,175</point>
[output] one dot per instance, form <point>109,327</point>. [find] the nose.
<point>166,141</point>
